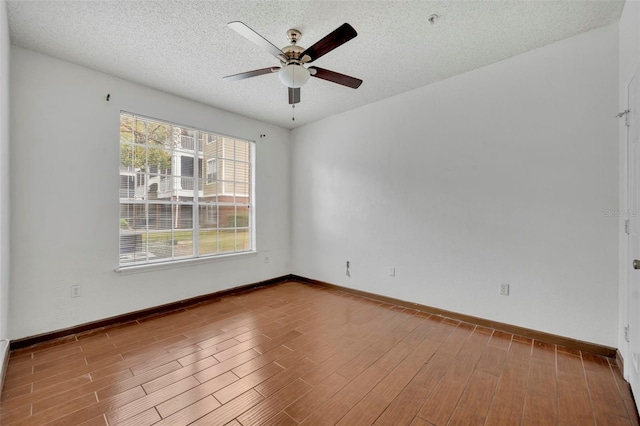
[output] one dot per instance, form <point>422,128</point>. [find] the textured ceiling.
<point>185,47</point>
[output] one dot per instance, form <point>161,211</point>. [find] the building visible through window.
<point>167,210</point>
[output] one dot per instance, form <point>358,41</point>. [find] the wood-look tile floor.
<point>298,354</point>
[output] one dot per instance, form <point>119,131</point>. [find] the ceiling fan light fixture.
<point>293,75</point>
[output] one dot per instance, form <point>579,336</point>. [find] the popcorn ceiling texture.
<point>185,47</point>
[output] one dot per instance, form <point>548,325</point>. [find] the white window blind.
<point>167,210</point>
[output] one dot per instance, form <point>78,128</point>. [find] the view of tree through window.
<point>167,210</point>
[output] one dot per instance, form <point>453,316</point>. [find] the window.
<point>212,168</point>
<point>209,138</point>
<point>167,212</point>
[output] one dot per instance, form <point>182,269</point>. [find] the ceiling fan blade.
<point>254,73</point>
<point>338,37</point>
<point>335,77</point>
<point>294,95</point>
<point>242,29</point>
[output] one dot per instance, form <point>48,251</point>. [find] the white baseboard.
<point>4,361</point>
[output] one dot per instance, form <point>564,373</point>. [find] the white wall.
<point>4,190</point>
<point>4,172</point>
<point>629,39</point>
<point>500,175</point>
<point>64,183</point>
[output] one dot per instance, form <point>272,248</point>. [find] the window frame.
<point>244,202</point>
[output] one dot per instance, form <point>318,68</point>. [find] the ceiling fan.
<point>292,71</point>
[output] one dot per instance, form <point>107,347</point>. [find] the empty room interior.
<point>435,223</point>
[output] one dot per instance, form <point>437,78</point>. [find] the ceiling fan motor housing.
<point>293,52</point>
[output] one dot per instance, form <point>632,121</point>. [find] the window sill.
<point>149,267</point>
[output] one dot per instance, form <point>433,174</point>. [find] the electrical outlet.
<point>75,291</point>
<point>504,289</point>
<point>392,271</point>
<point>266,259</point>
